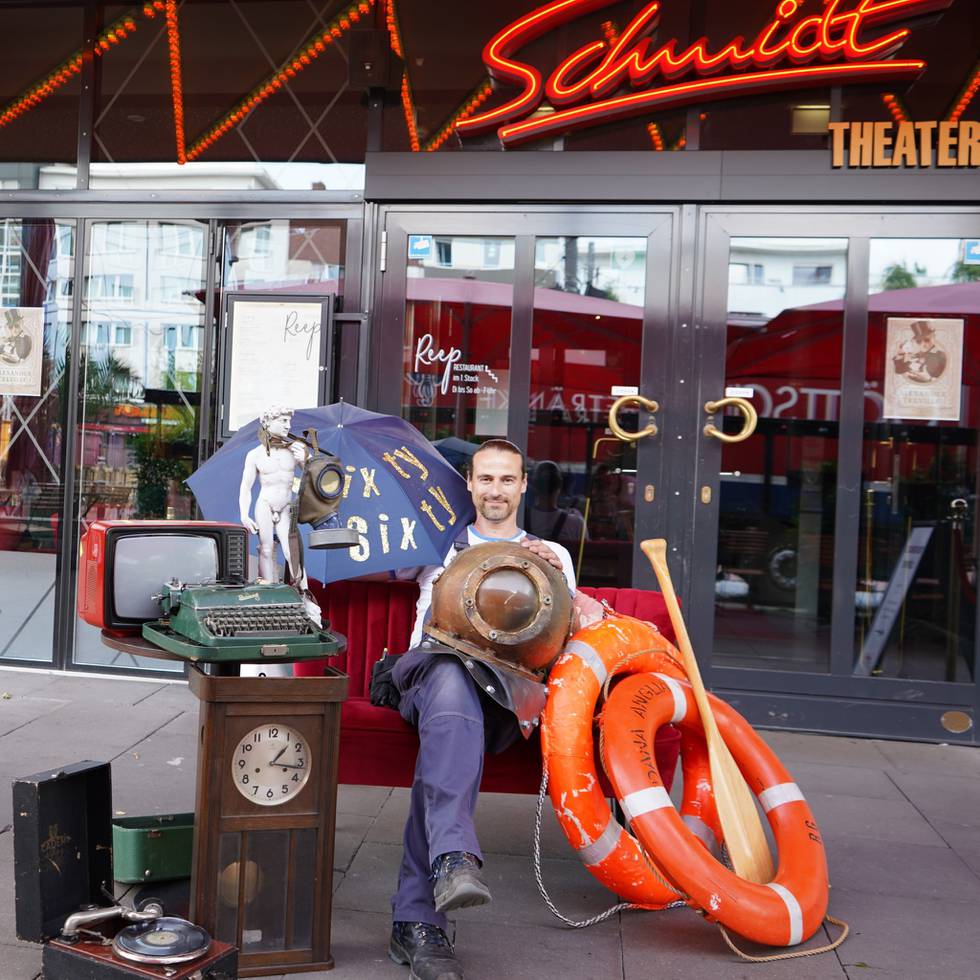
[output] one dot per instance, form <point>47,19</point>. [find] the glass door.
<point>836,532</point>
<point>535,327</point>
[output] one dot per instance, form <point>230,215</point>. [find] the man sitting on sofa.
<point>457,722</point>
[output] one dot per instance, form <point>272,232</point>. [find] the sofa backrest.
<point>375,616</point>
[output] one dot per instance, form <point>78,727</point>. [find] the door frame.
<point>663,349</point>
<point>832,701</point>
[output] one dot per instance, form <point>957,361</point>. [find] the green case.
<point>155,848</point>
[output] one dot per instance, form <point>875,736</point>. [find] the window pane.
<point>34,332</point>
<point>776,525</point>
<point>457,339</point>
<point>588,327</point>
<point>917,556</point>
<point>138,424</point>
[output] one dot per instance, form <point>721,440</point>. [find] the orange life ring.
<point>617,644</point>
<point>784,912</point>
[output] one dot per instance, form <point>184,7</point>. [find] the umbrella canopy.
<point>403,498</point>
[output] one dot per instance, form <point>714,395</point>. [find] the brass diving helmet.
<point>502,603</point>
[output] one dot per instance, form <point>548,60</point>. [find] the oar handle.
<point>656,551</point>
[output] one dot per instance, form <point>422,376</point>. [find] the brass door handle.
<point>745,407</point>
<point>618,431</point>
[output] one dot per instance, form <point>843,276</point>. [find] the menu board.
<point>275,354</point>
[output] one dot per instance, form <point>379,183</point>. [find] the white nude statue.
<point>274,462</point>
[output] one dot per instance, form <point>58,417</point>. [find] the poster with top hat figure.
<point>923,368</point>
<point>21,349</point>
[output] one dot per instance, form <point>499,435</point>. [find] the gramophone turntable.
<point>97,944</point>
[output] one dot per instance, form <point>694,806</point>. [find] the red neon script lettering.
<point>588,77</point>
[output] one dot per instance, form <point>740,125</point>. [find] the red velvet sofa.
<point>377,748</point>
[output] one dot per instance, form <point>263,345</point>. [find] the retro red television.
<point>124,564</point>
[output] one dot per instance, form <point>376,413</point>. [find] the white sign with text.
<point>275,357</point>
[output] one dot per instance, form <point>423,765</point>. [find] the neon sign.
<point>831,47</point>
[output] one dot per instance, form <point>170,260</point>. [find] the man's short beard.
<point>482,508</point>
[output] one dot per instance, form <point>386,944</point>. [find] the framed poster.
<point>923,368</point>
<point>21,350</point>
<point>276,352</point>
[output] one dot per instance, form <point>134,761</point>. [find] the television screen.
<point>144,563</point>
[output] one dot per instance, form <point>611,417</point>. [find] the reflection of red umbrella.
<point>805,342</point>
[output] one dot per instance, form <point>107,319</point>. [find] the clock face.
<point>271,764</point>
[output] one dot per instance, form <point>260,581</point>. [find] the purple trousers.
<point>457,723</point>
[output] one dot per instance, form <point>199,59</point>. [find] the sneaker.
<point>459,882</point>
<point>426,950</point>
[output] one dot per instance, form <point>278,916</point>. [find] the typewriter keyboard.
<point>270,619</point>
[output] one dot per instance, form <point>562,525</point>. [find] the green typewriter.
<point>261,622</point>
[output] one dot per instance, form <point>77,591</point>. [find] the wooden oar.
<point>744,836</point>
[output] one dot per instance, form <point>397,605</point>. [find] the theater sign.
<point>615,77</point>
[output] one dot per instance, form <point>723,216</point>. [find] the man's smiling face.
<point>496,484</point>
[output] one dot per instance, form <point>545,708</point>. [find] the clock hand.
<point>279,755</point>
<point>283,765</point>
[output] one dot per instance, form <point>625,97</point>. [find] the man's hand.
<point>249,525</point>
<point>299,453</point>
<point>585,611</point>
<point>543,551</point>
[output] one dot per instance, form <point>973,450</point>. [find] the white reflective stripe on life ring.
<point>590,658</point>
<point>646,801</point>
<point>779,794</point>
<point>602,846</point>
<point>794,910</point>
<point>677,692</point>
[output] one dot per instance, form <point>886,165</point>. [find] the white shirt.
<point>429,573</point>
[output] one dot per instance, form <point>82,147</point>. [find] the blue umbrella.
<point>406,502</point>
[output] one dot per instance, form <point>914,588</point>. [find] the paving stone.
<point>964,840</point>
<point>942,797</point>
<point>20,710</point>
<point>365,800</point>
<point>359,946</point>
<point>88,730</point>
<point>907,938</point>
<point>370,879</point>
<point>345,846</point>
<point>21,962</point>
<point>951,760</point>
<point>680,943</point>
<point>522,953</point>
<point>25,682</point>
<point>176,694</point>
<point>157,775</point>
<point>800,747</point>
<point>861,864</point>
<point>96,689</point>
<point>389,823</point>
<point>186,723</point>
<point>844,780</point>
<point>894,821</point>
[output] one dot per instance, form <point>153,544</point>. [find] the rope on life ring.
<point>617,644</point>
<point>786,911</point>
